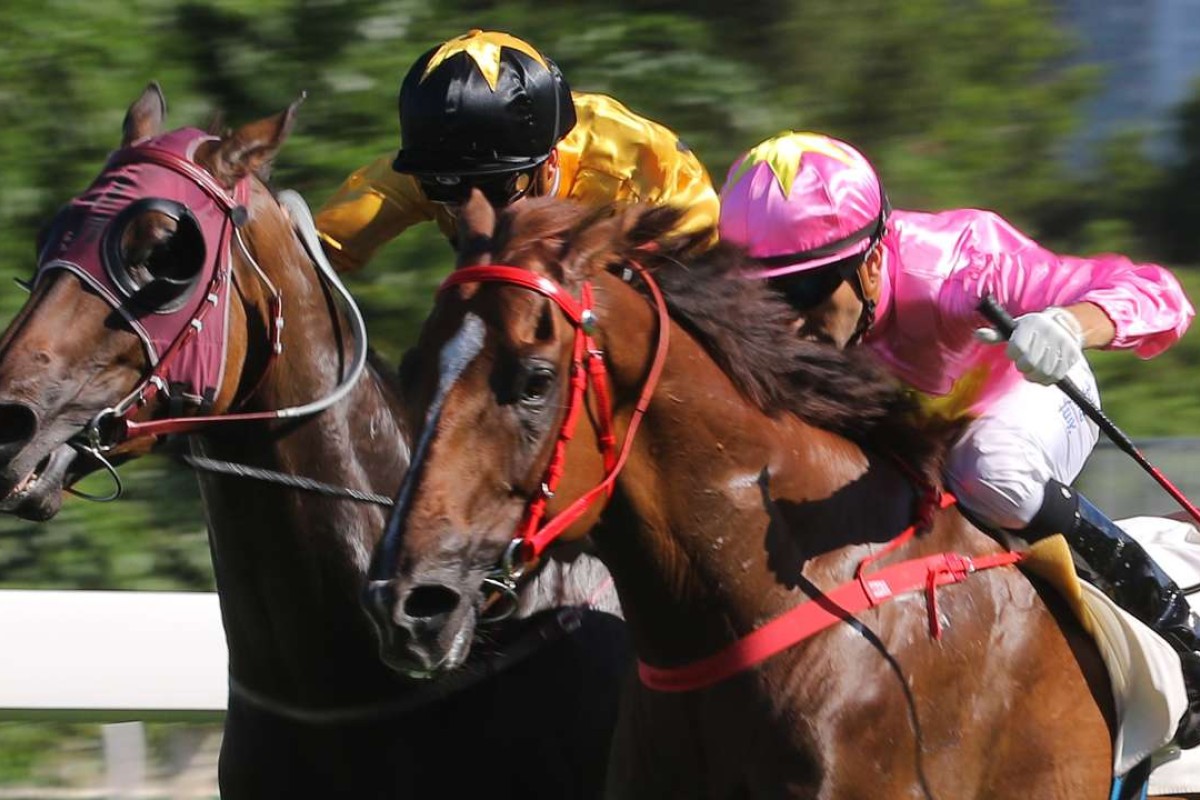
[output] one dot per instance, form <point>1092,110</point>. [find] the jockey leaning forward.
<point>811,210</point>
<point>486,110</point>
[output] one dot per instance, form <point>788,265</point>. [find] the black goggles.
<point>501,189</point>
<point>808,289</point>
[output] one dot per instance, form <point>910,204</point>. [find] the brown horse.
<point>765,471</point>
<point>313,712</point>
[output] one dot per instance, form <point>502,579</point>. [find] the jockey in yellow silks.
<point>486,110</point>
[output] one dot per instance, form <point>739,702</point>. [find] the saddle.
<point>1144,670</point>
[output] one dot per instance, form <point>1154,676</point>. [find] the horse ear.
<point>145,116</point>
<point>250,148</point>
<point>594,242</point>
<point>476,224</point>
<point>216,125</point>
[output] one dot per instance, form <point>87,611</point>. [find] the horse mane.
<point>744,326</point>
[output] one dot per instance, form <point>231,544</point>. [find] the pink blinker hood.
<point>184,341</point>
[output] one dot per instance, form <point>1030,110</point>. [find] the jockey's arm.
<point>1097,329</point>
<point>1119,304</point>
<point>1145,306</point>
<point>617,155</point>
<point>373,206</point>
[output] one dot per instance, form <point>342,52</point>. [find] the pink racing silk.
<point>937,267</point>
<point>195,370</point>
<point>799,201</point>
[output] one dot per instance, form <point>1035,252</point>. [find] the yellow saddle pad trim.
<point>1147,685</point>
<point>1050,560</point>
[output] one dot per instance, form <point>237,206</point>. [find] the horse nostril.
<point>430,600</point>
<point>17,424</point>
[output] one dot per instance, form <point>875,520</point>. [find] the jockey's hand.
<point>1044,345</point>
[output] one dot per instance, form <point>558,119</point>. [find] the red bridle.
<point>867,590</point>
<point>112,425</point>
<point>115,424</point>
<point>587,367</point>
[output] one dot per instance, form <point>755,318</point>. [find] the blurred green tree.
<point>959,104</point>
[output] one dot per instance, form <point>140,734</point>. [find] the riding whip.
<point>1005,324</point>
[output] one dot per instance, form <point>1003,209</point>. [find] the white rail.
<point>108,656</point>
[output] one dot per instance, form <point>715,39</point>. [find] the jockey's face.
<point>500,190</point>
<point>835,319</point>
<point>505,189</point>
<point>830,301</point>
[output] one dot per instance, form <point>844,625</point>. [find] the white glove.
<point>1044,345</point>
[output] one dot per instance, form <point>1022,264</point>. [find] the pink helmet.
<point>799,201</point>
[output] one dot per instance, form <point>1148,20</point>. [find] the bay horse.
<point>178,222</point>
<point>765,470</point>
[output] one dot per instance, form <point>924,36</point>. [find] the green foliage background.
<point>958,103</point>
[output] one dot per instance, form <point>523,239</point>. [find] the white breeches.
<point>999,468</point>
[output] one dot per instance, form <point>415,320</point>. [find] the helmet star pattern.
<point>485,103</point>
<point>482,47</point>
<point>784,152</point>
<point>802,201</point>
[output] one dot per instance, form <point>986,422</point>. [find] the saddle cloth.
<point>1175,546</point>
<point>1143,669</point>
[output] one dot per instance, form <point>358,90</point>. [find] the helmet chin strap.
<point>548,177</point>
<point>866,319</point>
<point>552,189</point>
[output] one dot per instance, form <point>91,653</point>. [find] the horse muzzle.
<point>423,629</point>
<point>36,494</point>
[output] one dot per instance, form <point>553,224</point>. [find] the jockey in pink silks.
<point>811,210</point>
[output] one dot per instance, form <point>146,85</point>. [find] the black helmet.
<point>484,103</point>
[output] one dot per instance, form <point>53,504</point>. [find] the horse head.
<point>130,316</point>
<point>545,351</point>
<point>500,378</point>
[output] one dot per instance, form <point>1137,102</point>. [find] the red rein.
<point>866,590</point>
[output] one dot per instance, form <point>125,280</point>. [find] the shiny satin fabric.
<point>799,201</point>
<point>481,103</point>
<point>611,155</point>
<point>937,267</point>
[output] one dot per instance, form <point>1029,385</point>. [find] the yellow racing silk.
<point>611,155</point>
<point>962,398</point>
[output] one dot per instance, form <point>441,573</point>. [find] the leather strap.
<point>866,590</point>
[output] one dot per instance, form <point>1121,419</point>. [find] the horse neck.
<point>723,514</point>
<point>290,565</point>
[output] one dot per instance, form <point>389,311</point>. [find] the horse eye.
<point>175,260</point>
<point>539,383</point>
<point>155,274</point>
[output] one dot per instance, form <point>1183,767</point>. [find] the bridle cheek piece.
<point>534,534</point>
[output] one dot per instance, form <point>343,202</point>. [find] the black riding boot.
<point>1123,570</point>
